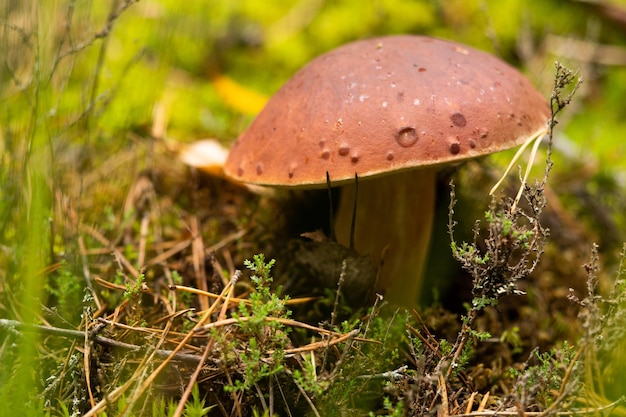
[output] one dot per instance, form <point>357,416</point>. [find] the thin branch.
<point>579,412</point>
<point>91,336</point>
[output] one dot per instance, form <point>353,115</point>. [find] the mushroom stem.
<point>393,225</point>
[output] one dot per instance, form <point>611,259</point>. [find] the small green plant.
<point>195,407</point>
<point>512,248</point>
<point>307,377</point>
<point>66,290</point>
<point>133,290</point>
<point>512,337</point>
<point>510,251</point>
<point>264,335</point>
<point>602,348</point>
<point>133,295</point>
<point>391,409</point>
<point>185,298</point>
<point>543,382</point>
<point>161,407</point>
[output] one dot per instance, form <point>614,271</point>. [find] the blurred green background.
<point>164,54</point>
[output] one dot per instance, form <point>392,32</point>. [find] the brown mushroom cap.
<point>386,104</point>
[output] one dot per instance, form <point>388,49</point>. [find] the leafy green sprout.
<point>67,290</point>
<point>263,302</point>
<point>512,338</point>
<point>264,335</point>
<point>186,298</point>
<point>133,294</point>
<point>307,378</point>
<point>133,290</point>
<point>545,379</point>
<point>392,410</point>
<point>195,407</point>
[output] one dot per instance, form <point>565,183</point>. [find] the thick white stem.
<point>393,224</point>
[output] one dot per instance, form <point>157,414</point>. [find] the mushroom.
<point>207,155</point>
<point>390,110</point>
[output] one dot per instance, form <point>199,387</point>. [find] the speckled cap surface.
<point>380,105</point>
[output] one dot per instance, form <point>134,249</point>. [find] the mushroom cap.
<point>380,105</point>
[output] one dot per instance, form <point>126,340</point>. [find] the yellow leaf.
<point>238,96</point>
